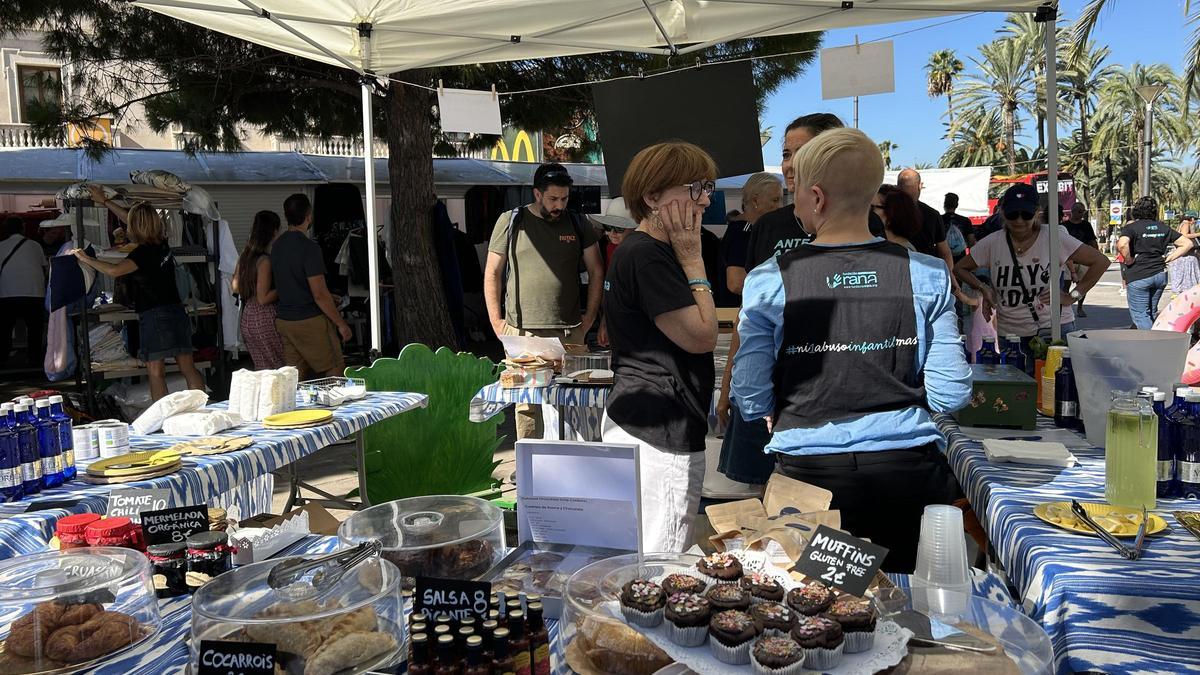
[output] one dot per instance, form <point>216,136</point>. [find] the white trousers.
<point>671,484</point>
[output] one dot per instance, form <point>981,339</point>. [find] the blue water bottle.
<point>1165,485</point>
<point>1014,356</point>
<point>11,486</point>
<point>66,436</point>
<point>49,446</point>
<point>1174,415</point>
<point>1189,450</point>
<point>987,353</point>
<point>27,444</point>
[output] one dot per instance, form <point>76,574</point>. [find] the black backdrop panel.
<point>712,106</point>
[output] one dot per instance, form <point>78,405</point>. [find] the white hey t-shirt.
<point>1013,317</point>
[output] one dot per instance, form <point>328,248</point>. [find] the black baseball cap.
<point>1019,197</point>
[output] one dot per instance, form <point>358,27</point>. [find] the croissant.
<point>104,633</point>
<point>29,633</point>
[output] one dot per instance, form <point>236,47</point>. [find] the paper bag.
<point>789,494</point>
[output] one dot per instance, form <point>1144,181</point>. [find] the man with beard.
<point>531,282</point>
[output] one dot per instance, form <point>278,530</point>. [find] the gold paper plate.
<point>133,463</point>
<point>294,418</point>
<point>1059,514</point>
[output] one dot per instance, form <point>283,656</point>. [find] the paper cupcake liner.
<point>760,669</point>
<point>823,659</point>
<point>734,656</point>
<point>776,632</point>
<point>643,619</point>
<point>687,636</point>
<point>755,600</point>
<point>857,642</point>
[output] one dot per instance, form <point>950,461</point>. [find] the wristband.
<point>700,282</point>
<point>701,289</point>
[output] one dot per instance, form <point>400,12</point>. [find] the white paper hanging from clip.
<point>469,111</point>
<point>858,70</point>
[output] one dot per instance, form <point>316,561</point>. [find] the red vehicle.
<point>998,184</point>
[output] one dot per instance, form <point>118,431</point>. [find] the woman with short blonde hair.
<point>662,325</point>
<point>847,344</point>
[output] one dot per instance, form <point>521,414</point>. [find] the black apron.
<point>849,335</point>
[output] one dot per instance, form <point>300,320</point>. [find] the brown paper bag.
<point>783,492</point>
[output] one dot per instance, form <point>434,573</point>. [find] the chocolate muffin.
<point>763,587</point>
<point>810,599</point>
<point>642,603</point>
<point>720,566</point>
<point>777,655</point>
<point>683,583</point>
<point>731,633</point>
<point>772,616</point>
<point>857,619</point>
<point>687,619</point>
<point>728,596</point>
<point>822,639</point>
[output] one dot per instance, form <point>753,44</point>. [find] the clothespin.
<point>641,74</point>
<point>493,92</point>
<point>697,63</point>
<point>441,90</point>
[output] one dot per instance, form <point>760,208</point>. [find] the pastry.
<point>810,599</point>
<point>720,566</point>
<point>348,651</point>
<point>823,638</point>
<point>728,596</point>
<point>463,561</point>
<point>857,619</point>
<point>687,619</point>
<point>29,633</point>
<point>613,647</point>
<point>642,603</point>
<point>731,633</point>
<point>294,638</point>
<point>777,655</point>
<point>104,633</point>
<point>683,583</point>
<point>763,587</point>
<point>772,616</point>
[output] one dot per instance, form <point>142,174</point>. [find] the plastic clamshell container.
<point>65,611</point>
<point>353,626</point>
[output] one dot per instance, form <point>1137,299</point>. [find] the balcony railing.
<point>341,146</point>
<point>21,136</point>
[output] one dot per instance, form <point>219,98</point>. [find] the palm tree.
<point>1079,84</point>
<point>944,67</point>
<point>1121,111</point>
<point>976,140</point>
<point>885,149</point>
<point>1090,17</point>
<point>1005,82</point>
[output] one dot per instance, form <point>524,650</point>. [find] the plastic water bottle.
<point>1013,355</point>
<point>1173,416</point>
<point>987,353</point>
<point>49,446</point>
<point>12,487</point>
<point>27,443</point>
<point>1066,396</point>
<point>1189,449</point>
<point>66,437</point>
<point>1165,485</point>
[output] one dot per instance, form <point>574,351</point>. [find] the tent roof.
<point>406,34</point>
<point>67,165</point>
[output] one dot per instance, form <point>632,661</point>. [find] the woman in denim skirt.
<point>163,324</point>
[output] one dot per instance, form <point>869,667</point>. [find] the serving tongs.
<point>303,578</point>
<point>1126,552</point>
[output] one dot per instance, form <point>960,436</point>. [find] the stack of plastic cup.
<point>942,580</point>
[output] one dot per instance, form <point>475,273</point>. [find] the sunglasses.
<point>610,229</point>
<point>700,188</point>
<point>1018,215</point>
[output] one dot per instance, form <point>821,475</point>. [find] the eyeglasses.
<point>1018,215</point>
<point>700,187</point>
<point>611,230</point>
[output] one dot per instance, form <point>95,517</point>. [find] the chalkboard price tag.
<point>130,502</point>
<point>218,657</point>
<point>50,504</point>
<point>459,599</point>
<point>174,525</point>
<point>840,561</point>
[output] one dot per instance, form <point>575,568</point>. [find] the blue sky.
<point>1146,31</point>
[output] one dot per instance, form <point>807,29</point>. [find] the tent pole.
<point>372,234</point>
<point>1051,23</point>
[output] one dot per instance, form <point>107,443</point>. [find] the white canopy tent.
<point>386,36</point>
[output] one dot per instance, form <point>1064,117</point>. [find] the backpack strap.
<point>514,221</point>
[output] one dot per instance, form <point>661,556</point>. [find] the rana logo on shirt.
<point>867,279</point>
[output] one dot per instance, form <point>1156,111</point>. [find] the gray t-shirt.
<point>295,258</point>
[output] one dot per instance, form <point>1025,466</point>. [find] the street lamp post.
<point>1149,93</point>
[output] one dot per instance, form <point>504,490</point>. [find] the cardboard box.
<point>320,521</point>
<point>1001,396</point>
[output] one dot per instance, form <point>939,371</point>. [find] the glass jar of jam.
<point>115,532</point>
<point>170,569</point>
<point>72,530</point>
<point>208,555</point>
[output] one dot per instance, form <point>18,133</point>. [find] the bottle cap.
<point>21,407</point>
<point>988,338</point>
<point>1066,352</point>
<point>6,406</point>
<point>474,641</point>
<point>56,399</point>
<point>1012,338</point>
<point>1181,392</point>
<point>1150,389</point>
<point>43,403</point>
<point>1192,396</point>
<point>444,640</point>
<point>1160,396</point>
<point>500,633</point>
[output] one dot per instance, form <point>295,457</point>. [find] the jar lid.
<point>168,550</point>
<point>203,541</point>
<point>109,527</point>
<point>216,515</point>
<point>75,524</point>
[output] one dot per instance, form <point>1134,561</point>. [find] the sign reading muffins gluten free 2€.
<point>840,561</point>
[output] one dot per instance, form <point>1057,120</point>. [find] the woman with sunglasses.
<point>662,322</point>
<point>1018,261</point>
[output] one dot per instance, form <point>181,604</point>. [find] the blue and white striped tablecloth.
<point>582,408</point>
<point>219,480</point>
<point>1102,612</point>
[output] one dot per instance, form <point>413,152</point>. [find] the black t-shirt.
<point>1148,242</point>
<point>1082,231</point>
<point>735,242</point>
<point>780,231</point>
<point>932,233</point>
<point>661,393</point>
<point>963,223</point>
<point>154,279</point>
<point>295,258</point>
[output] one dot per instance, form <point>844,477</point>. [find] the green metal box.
<point>1001,396</point>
